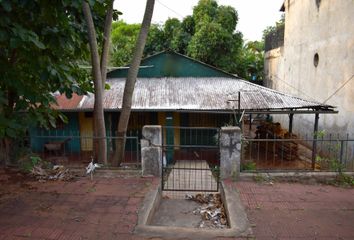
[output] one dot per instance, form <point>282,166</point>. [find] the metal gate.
<point>190,159</point>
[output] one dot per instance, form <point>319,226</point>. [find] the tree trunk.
<point>106,42</point>
<point>130,83</point>
<point>98,114</point>
<point>4,152</point>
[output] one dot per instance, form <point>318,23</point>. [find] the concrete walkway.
<point>189,175</point>
<point>106,208</point>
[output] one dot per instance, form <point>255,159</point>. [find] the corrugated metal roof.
<point>63,103</point>
<point>196,93</point>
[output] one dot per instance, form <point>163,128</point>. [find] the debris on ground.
<point>212,210</point>
<point>57,172</point>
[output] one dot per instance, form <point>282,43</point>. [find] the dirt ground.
<point>107,208</point>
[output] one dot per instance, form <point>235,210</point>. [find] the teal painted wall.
<point>39,136</point>
<point>169,64</point>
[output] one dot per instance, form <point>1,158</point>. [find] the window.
<point>316,59</point>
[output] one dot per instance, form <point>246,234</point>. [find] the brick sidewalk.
<point>297,211</point>
<point>107,209</point>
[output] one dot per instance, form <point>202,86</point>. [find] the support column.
<point>250,127</point>
<point>291,117</point>
<point>314,142</point>
<point>151,150</point>
<point>230,152</point>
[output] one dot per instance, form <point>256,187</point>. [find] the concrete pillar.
<point>230,152</point>
<point>151,150</point>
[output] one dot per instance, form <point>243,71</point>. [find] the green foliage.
<point>123,41</point>
<point>28,162</point>
<point>182,36</point>
<point>156,40</point>
<point>205,11</point>
<point>272,29</point>
<point>207,35</point>
<point>249,166</point>
<point>171,26</point>
<point>42,43</point>
<point>251,59</point>
<point>215,170</point>
<point>344,180</point>
<point>330,157</point>
<point>227,17</point>
<point>214,40</point>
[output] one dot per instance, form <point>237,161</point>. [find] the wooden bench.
<point>56,146</point>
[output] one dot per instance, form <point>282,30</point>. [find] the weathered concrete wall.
<point>273,67</point>
<point>151,151</point>
<point>230,152</point>
<point>326,28</point>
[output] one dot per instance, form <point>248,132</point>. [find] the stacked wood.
<point>285,150</point>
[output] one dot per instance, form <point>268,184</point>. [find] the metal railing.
<point>331,154</point>
<point>190,159</point>
<point>77,150</point>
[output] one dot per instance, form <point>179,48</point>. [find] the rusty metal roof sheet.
<point>196,94</point>
<point>64,103</point>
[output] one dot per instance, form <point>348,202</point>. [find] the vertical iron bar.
<point>250,151</point>
<point>274,153</point>
<point>291,117</point>
<point>250,126</point>
<point>282,154</point>
<point>258,152</point>
<point>346,151</point>
<point>162,163</point>
<point>314,142</point>
<point>341,151</point>
<point>330,145</point>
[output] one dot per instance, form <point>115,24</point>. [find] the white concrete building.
<point>316,62</point>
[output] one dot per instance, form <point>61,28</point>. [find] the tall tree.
<point>251,58</point>
<point>156,40</point>
<point>41,46</point>
<point>130,82</point>
<point>183,35</point>
<point>123,41</point>
<point>99,70</point>
<point>208,35</point>
<point>171,27</point>
<point>215,41</point>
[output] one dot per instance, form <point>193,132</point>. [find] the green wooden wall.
<point>39,136</point>
<point>171,64</point>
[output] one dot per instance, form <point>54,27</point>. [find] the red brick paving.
<point>106,208</point>
<point>297,211</point>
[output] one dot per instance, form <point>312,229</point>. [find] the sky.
<point>254,15</point>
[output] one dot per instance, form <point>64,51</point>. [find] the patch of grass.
<point>91,189</point>
<point>249,166</point>
<point>344,180</point>
<point>27,163</point>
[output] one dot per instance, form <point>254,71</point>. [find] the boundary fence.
<point>190,162</point>
<point>332,154</point>
<point>76,150</point>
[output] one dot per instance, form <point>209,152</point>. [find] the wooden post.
<point>314,142</point>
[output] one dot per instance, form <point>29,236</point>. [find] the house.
<point>178,91</point>
<point>315,60</point>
